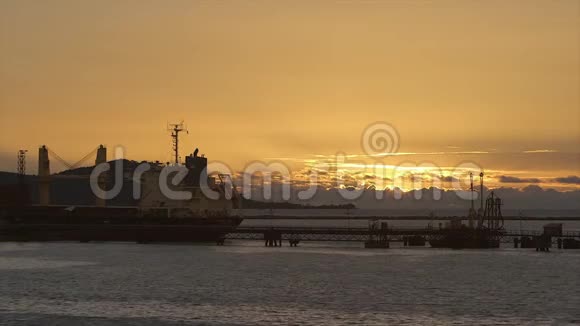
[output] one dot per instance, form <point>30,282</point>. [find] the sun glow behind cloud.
<point>363,171</point>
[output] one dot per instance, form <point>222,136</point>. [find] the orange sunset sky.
<point>491,82</point>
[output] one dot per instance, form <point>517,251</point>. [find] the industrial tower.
<point>21,164</point>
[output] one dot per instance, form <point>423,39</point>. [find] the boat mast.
<point>175,129</point>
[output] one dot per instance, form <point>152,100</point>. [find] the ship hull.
<point>103,224</point>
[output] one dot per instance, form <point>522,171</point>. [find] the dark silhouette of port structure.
<point>377,235</point>
<point>374,237</point>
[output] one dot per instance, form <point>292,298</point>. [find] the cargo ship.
<point>486,234</point>
<point>153,217</point>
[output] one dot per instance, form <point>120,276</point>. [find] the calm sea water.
<point>244,283</point>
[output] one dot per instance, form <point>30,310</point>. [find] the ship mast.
<point>175,129</point>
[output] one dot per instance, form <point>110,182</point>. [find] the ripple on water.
<point>130,284</point>
<point>243,314</point>
<point>12,263</point>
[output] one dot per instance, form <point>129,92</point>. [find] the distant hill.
<point>69,190</point>
<point>66,189</point>
<point>254,204</point>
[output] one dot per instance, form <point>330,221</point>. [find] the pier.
<point>274,236</point>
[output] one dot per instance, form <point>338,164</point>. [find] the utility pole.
<point>472,213</point>
<point>175,129</point>
<point>481,190</point>
<point>471,188</point>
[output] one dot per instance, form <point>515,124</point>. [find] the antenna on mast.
<point>175,129</point>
